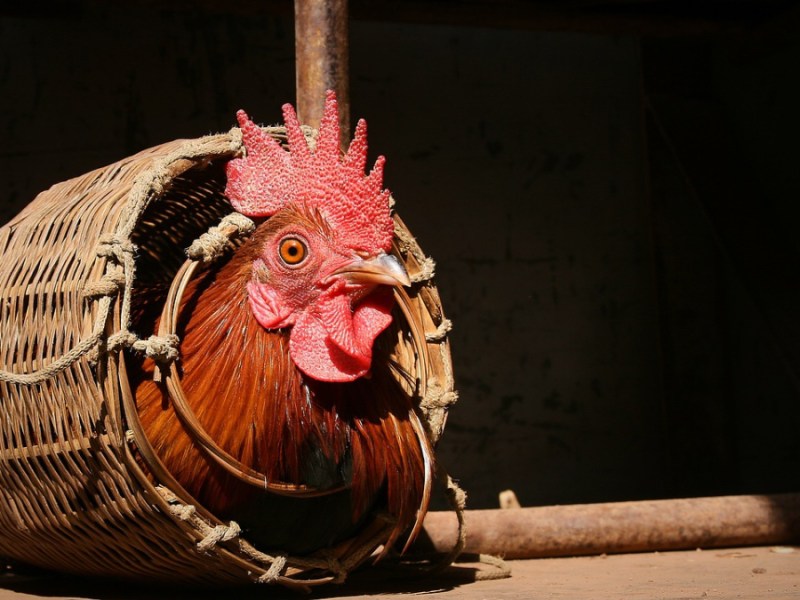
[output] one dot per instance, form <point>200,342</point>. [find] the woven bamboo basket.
<point>77,490</point>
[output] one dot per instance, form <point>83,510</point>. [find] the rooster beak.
<point>383,269</point>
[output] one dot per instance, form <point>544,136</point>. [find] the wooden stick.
<point>321,48</point>
<point>622,526</point>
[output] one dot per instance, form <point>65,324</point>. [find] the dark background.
<point>610,191</point>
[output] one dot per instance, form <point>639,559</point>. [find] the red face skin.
<point>337,300</point>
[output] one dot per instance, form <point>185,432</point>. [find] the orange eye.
<point>293,251</point>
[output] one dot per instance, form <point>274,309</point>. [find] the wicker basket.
<point>74,495</point>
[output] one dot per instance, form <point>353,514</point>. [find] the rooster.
<point>282,357</point>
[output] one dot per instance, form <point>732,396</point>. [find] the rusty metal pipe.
<point>640,526</point>
<point>321,52</point>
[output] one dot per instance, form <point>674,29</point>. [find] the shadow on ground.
<point>369,581</point>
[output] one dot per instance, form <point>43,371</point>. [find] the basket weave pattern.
<point>73,496</point>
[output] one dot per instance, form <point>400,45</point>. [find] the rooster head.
<point>323,266</point>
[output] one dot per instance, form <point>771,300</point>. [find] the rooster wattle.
<point>282,357</point>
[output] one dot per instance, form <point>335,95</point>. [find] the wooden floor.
<point>748,573</point>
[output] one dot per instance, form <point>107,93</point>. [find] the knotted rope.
<point>445,327</point>
<point>212,245</point>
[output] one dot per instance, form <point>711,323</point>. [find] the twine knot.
<point>441,331</point>
<point>183,511</point>
<point>426,271</point>
<point>163,350</point>
<point>220,533</point>
<point>212,244</point>
<point>121,339</point>
<point>437,397</point>
<point>275,570</point>
<point>111,246</point>
<point>108,285</point>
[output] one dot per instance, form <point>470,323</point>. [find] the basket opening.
<point>192,203</point>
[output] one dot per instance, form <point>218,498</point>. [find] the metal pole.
<point>321,49</point>
<point>642,526</point>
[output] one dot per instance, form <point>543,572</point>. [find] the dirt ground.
<point>748,573</point>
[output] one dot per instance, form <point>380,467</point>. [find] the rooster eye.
<point>293,251</point>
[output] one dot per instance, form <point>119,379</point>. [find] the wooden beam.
<point>616,527</point>
<point>321,49</point>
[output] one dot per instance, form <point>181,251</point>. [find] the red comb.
<point>269,178</point>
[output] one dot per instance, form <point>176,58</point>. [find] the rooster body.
<point>281,356</point>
